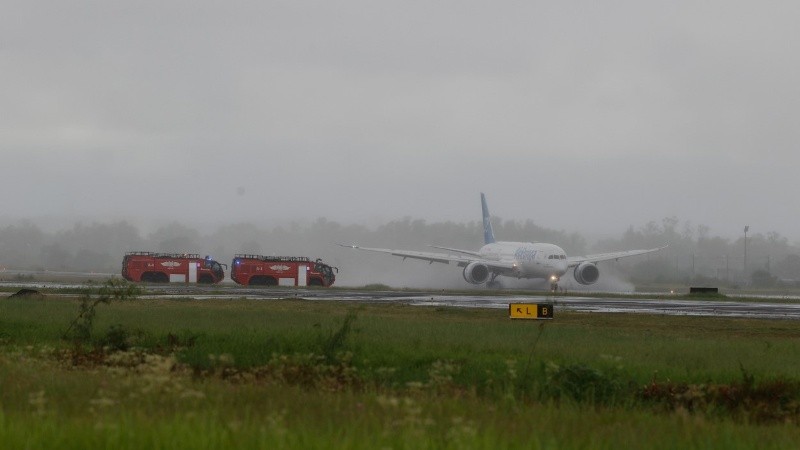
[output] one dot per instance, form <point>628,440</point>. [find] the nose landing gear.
<point>553,283</point>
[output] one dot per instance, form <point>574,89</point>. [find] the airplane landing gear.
<point>553,284</point>
<point>492,284</point>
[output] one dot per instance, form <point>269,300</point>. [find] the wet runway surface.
<point>752,309</point>
<point>762,308</point>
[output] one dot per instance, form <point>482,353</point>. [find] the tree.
<point>21,245</point>
<point>176,238</point>
<point>762,278</point>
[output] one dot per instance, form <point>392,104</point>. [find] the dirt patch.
<point>27,293</point>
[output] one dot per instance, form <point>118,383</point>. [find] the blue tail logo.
<point>488,233</point>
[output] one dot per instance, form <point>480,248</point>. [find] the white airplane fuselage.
<point>530,260</point>
<point>514,259</point>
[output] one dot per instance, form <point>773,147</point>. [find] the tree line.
<point>693,255</point>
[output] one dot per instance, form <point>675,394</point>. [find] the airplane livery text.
<point>525,254</point>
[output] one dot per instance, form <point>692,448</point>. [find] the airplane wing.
<point>575,260</point>
<point>466,252</point>
<point>432,257</point>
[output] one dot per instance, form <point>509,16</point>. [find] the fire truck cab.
<point>171,268</point>
<point>281,271</point>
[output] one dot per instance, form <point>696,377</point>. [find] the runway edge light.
<point>530,310</point>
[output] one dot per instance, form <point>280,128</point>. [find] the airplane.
<point>514,259</point>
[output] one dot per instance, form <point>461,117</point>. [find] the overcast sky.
<point>583,116</point>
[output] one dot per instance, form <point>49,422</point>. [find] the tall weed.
<point>79,330</point>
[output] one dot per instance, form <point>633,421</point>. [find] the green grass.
<point>381,422</point>
<point>408,337</point>
<point>327,374</point>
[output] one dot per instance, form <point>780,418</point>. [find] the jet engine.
<point>476,273</point>
<point>586,273</point>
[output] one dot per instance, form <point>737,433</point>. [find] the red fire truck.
<point>171,268</point>
<point>281,271</point>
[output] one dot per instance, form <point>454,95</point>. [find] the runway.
<point>745,309</point>
<point>755,307</point>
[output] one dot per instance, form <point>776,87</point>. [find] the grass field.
<point>324,374</point>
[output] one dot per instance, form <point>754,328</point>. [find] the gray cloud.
<point>582,115</point>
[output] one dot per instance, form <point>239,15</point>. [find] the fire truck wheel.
<point>263,281</point>
<point>315,282</point>
<point>155,277</point>
<point>205,279</point>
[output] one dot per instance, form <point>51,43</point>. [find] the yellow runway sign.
<point>530,310</point>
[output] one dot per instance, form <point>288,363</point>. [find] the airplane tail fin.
<point>488,233</point>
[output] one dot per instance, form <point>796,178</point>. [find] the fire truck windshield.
<point>325,270</point>
<point>214,266</point>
